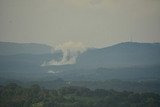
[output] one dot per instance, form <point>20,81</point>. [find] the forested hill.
<point>10,48</point>
<point>13,95</point>
<point>125,54</point>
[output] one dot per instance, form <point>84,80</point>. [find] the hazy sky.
<point>95,23</point>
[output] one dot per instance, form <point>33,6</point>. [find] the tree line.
<point>13,95</point>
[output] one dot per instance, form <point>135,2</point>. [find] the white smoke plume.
<point>71,50</point>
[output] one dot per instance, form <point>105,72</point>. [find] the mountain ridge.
<point>122,53</point>
<point>136,60</point>
<point>12,48</point>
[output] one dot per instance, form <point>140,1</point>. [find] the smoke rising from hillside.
<point>71,50</point>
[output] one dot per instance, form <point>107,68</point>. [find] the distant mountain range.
<point>128,60</point>
<point>127,54</point>
<point>9,48</point>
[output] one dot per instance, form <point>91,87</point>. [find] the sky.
<point>94,23</point>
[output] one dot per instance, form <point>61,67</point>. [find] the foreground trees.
<point>13,95</point>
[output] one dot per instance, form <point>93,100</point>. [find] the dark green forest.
<point>13,95</point>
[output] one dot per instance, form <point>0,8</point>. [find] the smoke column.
<point>71,50</point>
